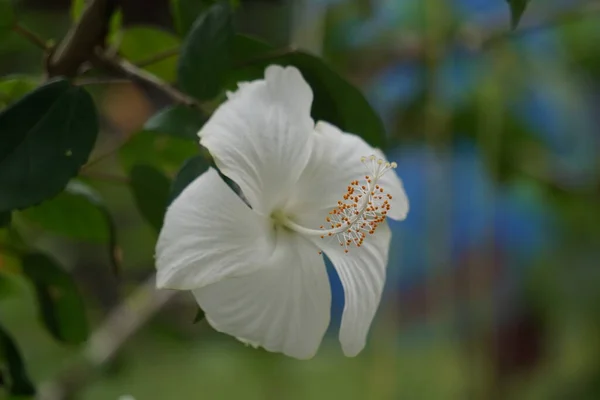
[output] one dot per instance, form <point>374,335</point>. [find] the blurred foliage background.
<point>493,278</point>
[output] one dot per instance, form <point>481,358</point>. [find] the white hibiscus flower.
<point>256,267</point>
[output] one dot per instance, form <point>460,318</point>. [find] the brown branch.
<point>31,36</point>
<point>80,43</point>
<point>120,67</point>
<point>164,55</point>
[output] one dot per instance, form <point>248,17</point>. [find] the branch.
<point>120,67</point>
<point>158,57</point>
<point>79,44</point>
<point>122,323</point>
<point>31,36</point>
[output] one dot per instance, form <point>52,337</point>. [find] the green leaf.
<point>517,8</point>
<point>78,212</point>
<point>150,189</point>
<point>13,375</point>
<point>141,43</point>
<point>162,151</point>
<point>5,218</point>
<point>206,53</point>
<point>13,88</point>
<point>185,13</point>
<point>45,138</point>
<point>190,170</point>
<point>179,121</point>
<point>7,17</point>
<point>61,307</point>
<point>335,99</point>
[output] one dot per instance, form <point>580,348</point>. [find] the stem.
<point>127,69</point>
<point>164,55</point>
<point>31,36</point>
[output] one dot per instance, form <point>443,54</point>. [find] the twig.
<point>158,57</point>
<point>101,81</point>
<point>79,44</point>
<point>122,67</point>
<point>31,36</point>
<point>122,323</point>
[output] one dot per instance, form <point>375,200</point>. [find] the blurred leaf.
<point>46,137</point>
<point>191,169</point>
<point>517,8</point>
<point>60,304</point>
<point>78,212</point>
<point>179,121</point>
<point>13,375</point>
<point>335,99</point>
<point>7,17</point>
<point>206,53</point>
<point>199,316</point>
<point>162,151</point>
<point>245,48</point>
<point>141,43</point>
<point>13,88</point>
<point>185,13</point>
<point>77,7</point>
<point>150,189</point>
<point>5,218</point>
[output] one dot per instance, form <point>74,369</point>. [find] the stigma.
<point>363,207</point>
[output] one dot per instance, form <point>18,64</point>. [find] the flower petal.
<point>334,163</point>
<point>261,137</point>
<point>284,307</point>
<point>362,273</point>
<point>209,234</point>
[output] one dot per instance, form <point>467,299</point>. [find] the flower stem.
<point>31,36</point>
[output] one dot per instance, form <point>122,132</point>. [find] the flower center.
<point>362,209</point>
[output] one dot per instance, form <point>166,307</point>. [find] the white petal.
<point>362,273</point>
<point>334,163</point>
<point>209,234</point>
<point>284,307</point>
<point>261,137</point>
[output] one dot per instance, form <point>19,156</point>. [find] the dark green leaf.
<point>179,121</point>
<point>246,48</point>
<point>7,17</point>
<point>78,212</point>
<point>151,193</point>
<point>13,375</point>
<point>206,53</point>
<point>185,13</point>
<point>61,306</point>
<point>335,99</point>
<point>141,43</point>
<point>13,88</point>
<point>191,169</point>
<point>517,8</point>
<point>162,151</point>
<point>5,218</point>
<point>45,138</point>
<point>199,316</point>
